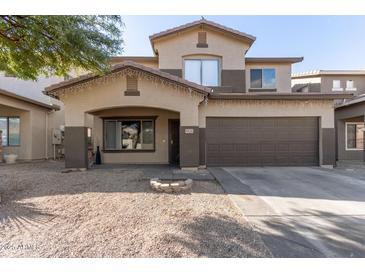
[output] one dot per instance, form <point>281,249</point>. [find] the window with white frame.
<point>263,78</point>
<point>336,85</point>
<point>10,128</point>
<point>202,71</point>
<point>350,85</point>
<point>129,134</point>
<point>354,136</point>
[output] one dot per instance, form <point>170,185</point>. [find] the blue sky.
<point>326,42</point>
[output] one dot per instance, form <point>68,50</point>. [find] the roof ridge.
<point>202,21</point>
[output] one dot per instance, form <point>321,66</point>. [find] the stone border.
<point>170,186</point>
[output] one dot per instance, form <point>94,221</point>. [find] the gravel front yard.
<point>113,213</point>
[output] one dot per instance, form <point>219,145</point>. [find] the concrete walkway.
<point>299,211</point>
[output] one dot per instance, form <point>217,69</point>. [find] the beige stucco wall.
<point>33,125</point>
<point>283,75</point>
<point>111,95</point>
<point>171,49</point>
<point>268,108</point>
<point>159,156</point>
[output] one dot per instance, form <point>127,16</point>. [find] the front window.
<point>129,134</point>
<point>336,85</point>
<point>354,136</point>
<point>202,71</point>
<point>10,127</point>
<point>350,85</point>
<point>263,78</point>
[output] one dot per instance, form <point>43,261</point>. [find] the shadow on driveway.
<point>301,212</point>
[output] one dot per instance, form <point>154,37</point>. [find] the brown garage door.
<point>284,141</point>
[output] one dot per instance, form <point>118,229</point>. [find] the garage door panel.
<point>262,141</point>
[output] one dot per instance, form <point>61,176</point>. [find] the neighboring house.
<point>349,114</point>
<point>199,101</point>
<point>26,126</point>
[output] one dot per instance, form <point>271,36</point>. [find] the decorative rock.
<point>170,186</point>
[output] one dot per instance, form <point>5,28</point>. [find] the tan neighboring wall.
<point>359,83</point>
<point>171,49</point>
<point>283,75</point>
<point>326,82</point>
<point>33,124</point>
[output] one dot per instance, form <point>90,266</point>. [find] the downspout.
<point>46,120</point>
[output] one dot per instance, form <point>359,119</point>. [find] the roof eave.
<point>286,96</point>
<point>291,60</point>
<point>50,90</point>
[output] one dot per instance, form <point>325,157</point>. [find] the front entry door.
<point>174,141</point>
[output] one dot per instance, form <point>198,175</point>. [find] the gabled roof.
<point>355,100</point>
<point>204,22</point>
<point>50,90</point>
<point>28,100</point>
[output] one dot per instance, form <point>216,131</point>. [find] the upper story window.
<point>336,85</point>
<point>10,128</point>
<point>202,71</point>
<point>263,78</point>
<point>350,85</point>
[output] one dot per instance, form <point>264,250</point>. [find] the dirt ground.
<point>114,213</point>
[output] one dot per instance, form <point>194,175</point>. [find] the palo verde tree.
<point>31,46</point>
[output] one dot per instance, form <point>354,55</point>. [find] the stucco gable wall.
<point>111,95</point>
<point>171,49</point>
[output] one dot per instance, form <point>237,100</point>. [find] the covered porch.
<point>137,135</point>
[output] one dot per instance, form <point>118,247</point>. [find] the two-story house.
<point>199,101</point>
<point>349,113</point>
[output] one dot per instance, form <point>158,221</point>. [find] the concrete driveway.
<point>301,211</point>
